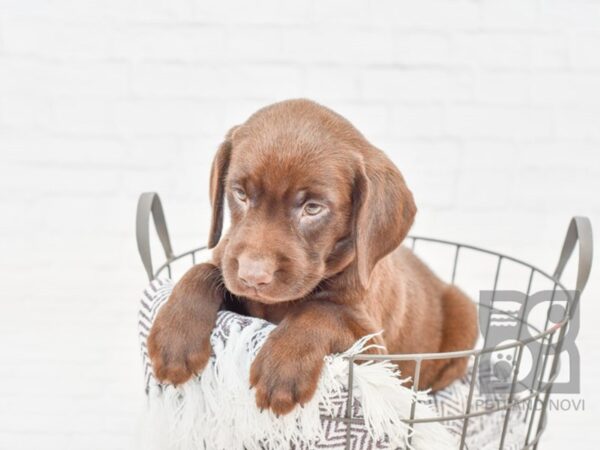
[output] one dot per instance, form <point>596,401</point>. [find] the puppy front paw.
<point>178,349</point>
<point>284,376</point>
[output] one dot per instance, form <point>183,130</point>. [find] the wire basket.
<point>532,334</point>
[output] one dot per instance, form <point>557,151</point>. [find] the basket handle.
<point>580,230</point>
<point>149,202</point>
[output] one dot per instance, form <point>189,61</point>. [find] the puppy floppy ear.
<point>218,175</point>
<point>383,209</point>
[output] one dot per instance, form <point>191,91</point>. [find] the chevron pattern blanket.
<point>216,410</point>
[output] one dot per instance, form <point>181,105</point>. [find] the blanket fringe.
<point>217,409</point>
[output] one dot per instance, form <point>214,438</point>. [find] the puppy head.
<point>309,198</point>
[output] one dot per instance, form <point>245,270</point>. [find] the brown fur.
<point>326,279</point>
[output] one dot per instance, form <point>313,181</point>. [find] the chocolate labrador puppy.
<point>317,218</point>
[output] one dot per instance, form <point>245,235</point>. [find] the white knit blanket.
<point>217,410</point>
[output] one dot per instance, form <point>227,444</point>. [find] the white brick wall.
<point>491,109</point>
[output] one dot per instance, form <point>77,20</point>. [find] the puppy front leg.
<point>179,341</point>
<point>286,370</point>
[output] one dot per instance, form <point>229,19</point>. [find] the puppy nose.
<point>254,272</point>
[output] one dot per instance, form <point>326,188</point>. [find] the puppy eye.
<point>240,194</point>
<point>312,209</point>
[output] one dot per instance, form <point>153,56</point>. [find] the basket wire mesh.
<point>548,334</point>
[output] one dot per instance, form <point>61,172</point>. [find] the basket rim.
<point>541,334</point>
